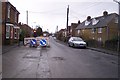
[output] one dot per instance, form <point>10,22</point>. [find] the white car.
<point>77,42</point>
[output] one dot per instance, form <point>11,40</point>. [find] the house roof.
<point>13,7</point>
<point>96,22</point>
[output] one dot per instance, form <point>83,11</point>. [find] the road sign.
<point>43,42</point>
<point>33,41</point>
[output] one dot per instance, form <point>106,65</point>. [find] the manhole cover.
<point>113,62</point>
<point>58,58</point>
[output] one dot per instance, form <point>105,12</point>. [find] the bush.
<point>94,43</point>
<point>111,44</point>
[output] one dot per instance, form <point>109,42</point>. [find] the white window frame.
<point>99,30</point>
<point>65,33</point>
<point>11,32</point>
<point>94,21</point>
<point>116,20</point>
<point>99,39</point>
<point>15,33</point>
<point>93,30</point>
<point>87,23</point>
<point>7,31</point>
<point>83,30</point>
<point>8,11</point>
<point>78,32</point>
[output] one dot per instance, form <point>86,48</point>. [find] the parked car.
<point>76,42</point>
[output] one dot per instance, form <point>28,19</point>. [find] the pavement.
<point>104,51</point>
<point>3,50</point>
<point>7,48</point>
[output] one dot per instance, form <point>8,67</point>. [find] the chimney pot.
<point>88,18</point>
<point>105,13</point>
<point>79,22</point>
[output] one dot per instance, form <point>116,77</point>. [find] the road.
<point>58,61</point>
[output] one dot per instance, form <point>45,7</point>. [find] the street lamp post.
<point>118,47</point>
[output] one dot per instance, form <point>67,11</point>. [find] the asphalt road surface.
<point>58,61</point>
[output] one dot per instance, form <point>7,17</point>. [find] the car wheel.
<point>85,47</point>
<point>69,44</point>
<point>73,45</point>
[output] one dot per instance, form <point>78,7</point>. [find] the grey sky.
<point>51,13</point>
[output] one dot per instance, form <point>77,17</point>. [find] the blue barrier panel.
<point>43,42</point>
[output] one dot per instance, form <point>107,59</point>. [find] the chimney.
<point>105,13</point>
<point>88,18</point>
<point>79,22</point>
<point>19,23</point>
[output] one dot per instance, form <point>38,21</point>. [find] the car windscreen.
<point>77,39</point>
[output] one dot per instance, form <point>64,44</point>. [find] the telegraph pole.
<point>27,17</point>
<point>56,29</point>
<point>118,47</point>
<point>67,21</point>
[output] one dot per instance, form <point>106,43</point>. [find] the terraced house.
<point>99,29</point>
<point>10,28</point>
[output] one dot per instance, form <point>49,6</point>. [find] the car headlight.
<point>76,44</point>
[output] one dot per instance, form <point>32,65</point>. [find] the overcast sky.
<point>51,13</point>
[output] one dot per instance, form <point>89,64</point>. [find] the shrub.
<point>112,44</point>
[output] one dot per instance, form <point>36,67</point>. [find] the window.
<point>16,17</point>
<point>65,33</point>
<point>116,20</point>
<point>83,30</point>
<point>93,30</point>
<point>99,39</point>
<point>70,30</point>
<point>11,32</point>
<point>94,21</point>
<point>7,31</point>
<point>99,30</point>
<point>87,23</point>
<point>15,33</point>
<point>78,31</point>
<point>8,11</point>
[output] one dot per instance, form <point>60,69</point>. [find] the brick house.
<point>100,28</point>
<point>62,34</point>
<point>10,28</point>
<point>26,30</point>
<point>72,28</point>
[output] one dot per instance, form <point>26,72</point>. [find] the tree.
<point>39,31</point>
<point>22,34</point>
